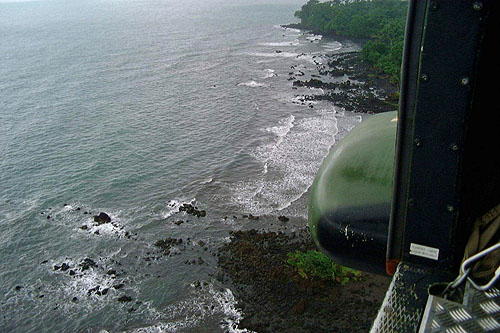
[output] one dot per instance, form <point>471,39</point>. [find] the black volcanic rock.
<point>192,210</point>
<point>102,218</point>
<point>125,298</point>
<point>87,263</point>
<point>283,218</point>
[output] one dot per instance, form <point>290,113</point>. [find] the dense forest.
<point>382,22</point>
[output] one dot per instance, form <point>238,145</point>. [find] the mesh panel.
<point>405,299</point>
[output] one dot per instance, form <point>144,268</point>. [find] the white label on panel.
<point>424,251</point>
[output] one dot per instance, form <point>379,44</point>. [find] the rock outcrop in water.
<point>283,218</point>
<point>167,243</point>
<point>192,210</point>
<point>102,218</point>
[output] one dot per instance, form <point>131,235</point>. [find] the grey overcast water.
<point>133,108</point>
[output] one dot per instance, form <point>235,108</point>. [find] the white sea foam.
<point>206,301</point>
<point>172,208</point>
<point>314,38</point>
<point>265,168</point>
<point>332,46</point>
<point>289,29</point>
<point>67,208</point>
<point>317,60</point>
<point>253,84</point>
<point>108,229</point>
<point>291,161</point>
<point>82,285</point>
<point>256,106</point>
<point>279,44</point>
<point>274,54</point>
<point>312,58</point>
<point>269,73</point>
<point>174,204</point>
<point>302,100</point>
<point>207,181</point>
<point>114,228</point>
<point>73,213</point>
<point>319,91</point>
<point>282,129</point>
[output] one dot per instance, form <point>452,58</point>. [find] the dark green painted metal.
<point>356,175</point>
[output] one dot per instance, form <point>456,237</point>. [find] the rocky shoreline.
<point>272,295</point>
<point>347,81</point>
<point>275,298</point>
<point>351,84</point>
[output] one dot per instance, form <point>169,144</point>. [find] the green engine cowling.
<point>350,199</point>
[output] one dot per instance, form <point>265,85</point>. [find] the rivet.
<point>450,208</point>
<point>411,203</point>
<point>464,81</point>
<point>454,147</point>
<point>424,77</point>
<point>478,5</point>
<point>417,142</point>
<point>434,5</point>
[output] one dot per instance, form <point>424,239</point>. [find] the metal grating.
<point>405,299</point>
<point>480,312</point>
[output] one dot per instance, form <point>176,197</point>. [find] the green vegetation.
<point>380,21</point>
<point>312,264</point>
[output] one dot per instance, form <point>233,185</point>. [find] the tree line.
<point>382,22</point>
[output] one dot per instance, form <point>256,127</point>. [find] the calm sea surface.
<point>133,108</point>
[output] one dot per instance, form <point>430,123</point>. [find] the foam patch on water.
<point>274,54</point>
<point>256,106</point>
<point>279,44</point>
<point>318,91</point>
<point>207,301</point>
<point>113,228</point>
<point>269,73</point>
<point>312,58</point>
<point>174,204</point>
<point>282,129</point>
<point>109,229</point>
<point>302,100</point>
<point>292,160</point>
<point>314,38</point>
<point>286,28</point>
<point>172,208</point>
<point>90,289</point>
<point>82,220</point>
<point>332,46</point>
<point>207,181</point>
<point>253,84</point>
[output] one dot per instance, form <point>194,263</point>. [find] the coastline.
<point>150,151</point>
<point>272,296</point>
<point>353,84</point>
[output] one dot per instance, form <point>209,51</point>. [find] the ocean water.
<point>134,107</point>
